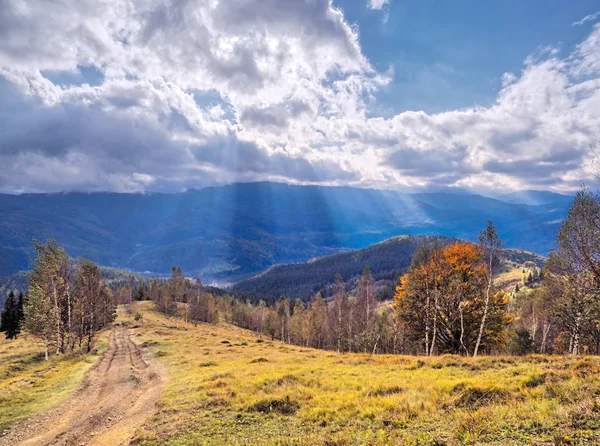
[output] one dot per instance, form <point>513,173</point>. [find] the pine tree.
<point>10,319</point>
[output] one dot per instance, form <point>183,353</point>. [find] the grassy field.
<point>227,386</point>
<point>29,385</point>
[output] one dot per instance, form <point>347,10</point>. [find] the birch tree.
<point>490,244</point>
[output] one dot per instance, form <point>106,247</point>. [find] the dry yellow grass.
<point>30,385</point>
<point>228,386</point>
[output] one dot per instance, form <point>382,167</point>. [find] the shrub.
<point>207,364</point>
<point>521,343</point>
<point>535,380</point>
<point>284,406</point>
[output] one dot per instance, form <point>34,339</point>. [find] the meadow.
<point>229,386</point>
<point>30,385</point>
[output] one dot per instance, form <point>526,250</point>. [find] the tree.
<point>298,324</point>
<point>65,302</point>
<point>365,311</point>
<point>460,279</point>
<point>579,235</point>
<point>10,320</point>
<point>283,315</point>
<point>140,293</point>
<point>317,321</point>
<point>202,306</point>
<point>572,282</point>
<point>154,291</point>
<point>490,244</point>
<point>175,290</point>
<point>43,307</point>
<point>521,344</point>
<point>338,312</point>
<point>95,308</point>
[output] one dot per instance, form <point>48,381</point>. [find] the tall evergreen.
<point>10,321</point>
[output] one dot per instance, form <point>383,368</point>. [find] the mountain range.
<point>230,233</point>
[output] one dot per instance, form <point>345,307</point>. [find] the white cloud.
<point>200,92</point>
<point>378,4</point>
<point>587,18</point>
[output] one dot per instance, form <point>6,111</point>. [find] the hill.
<point>387,261</point>
<point>229,233</point>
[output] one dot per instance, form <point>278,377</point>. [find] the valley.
<point>230,233</point>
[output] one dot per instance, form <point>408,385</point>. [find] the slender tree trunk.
<point>462,332</point>
<point>431,349</point>
<point>545,331</point>
<point>70,334</point>
<point>375,347</point>
<point>339,327</point>
<point>487,304</point>
<point>58,318</point>
<point>427,304</point>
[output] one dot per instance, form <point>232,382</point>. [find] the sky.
<point>148,95</point>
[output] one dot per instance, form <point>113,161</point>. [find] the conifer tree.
<point>10,320</point>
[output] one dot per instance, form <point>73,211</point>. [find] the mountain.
<point>229,233</point>
<point>536,197</point>
<point>387,261</point>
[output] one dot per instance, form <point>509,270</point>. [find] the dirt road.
<point>117,396</point>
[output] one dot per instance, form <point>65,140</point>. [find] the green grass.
<point>225,387</point>
<point>30,385</point>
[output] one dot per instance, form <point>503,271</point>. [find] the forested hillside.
<point>233,232</point>
<point>387,261</point>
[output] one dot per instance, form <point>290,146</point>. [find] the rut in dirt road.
<point>117,396</point>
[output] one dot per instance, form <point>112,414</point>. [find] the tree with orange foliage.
<point>442,299</point>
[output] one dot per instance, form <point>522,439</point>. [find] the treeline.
<point>386,260</point>
<point>66,305</point>
<point>347,323</point>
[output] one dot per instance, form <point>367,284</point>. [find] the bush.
<point>283,406</point>
<point>535,380</point>
<point>521,343</point>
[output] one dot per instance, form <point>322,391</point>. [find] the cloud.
<point>378,4</point>
<point>587,18</point>
<point>187,93</point>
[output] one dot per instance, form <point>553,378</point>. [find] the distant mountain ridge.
<point>229,233</point>
<point>387,260</point>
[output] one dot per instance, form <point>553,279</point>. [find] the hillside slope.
<point>233,232</point>
<point>387,260</point>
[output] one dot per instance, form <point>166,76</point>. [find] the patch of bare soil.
<point>115,399</point>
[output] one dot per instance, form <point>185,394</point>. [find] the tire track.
<point>116,398</point>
